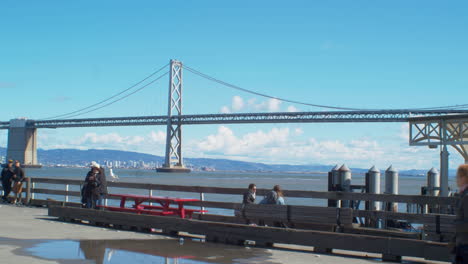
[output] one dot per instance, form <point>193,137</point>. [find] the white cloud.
<point>225,110</point>
<point>292,108</point>
<point>281,145</point>
<point>152,142</point>
<point>237,103</point>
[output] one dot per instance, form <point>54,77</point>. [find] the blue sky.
<point>59,56</point>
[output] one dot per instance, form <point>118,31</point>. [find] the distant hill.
<point>73,157</point>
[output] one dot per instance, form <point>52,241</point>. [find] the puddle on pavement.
<point>147,251</point>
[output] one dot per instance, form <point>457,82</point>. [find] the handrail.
<point>395,198</point>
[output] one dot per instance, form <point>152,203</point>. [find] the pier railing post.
<point>150,193</point>
<point>67,187</point>
<point>28,190</point>
<point>202,198</point>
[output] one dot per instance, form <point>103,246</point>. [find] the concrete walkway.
<point>22,227</point>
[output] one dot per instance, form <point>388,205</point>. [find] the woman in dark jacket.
<point>95,187</point>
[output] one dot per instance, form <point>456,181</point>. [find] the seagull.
<point>113,176</point>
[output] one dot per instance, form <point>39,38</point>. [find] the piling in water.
<point>391,186</point>
<point>333,184</point>
<point>345,179</point>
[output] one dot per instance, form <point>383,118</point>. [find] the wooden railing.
<point>65,191</point>
<point>409,199</point>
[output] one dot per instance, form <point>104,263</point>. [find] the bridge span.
<point>244,118</point>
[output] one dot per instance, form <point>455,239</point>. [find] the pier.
<point>326,229</point>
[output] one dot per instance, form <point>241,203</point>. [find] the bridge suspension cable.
<point>86,109</point>
<point>213,79</point>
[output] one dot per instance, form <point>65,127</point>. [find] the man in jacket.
<point>18,179</point>
<point>7,176</point>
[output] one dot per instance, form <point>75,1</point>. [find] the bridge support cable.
<point>232,86</point>
<point>77,112</point>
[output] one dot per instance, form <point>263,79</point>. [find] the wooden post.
<point>28,190</point>
<point>333,182</point>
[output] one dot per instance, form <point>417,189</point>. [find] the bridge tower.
<point>173,159</point>
<point>22,143</point>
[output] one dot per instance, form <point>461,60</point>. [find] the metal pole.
<point>33,184</point>
<point>150,194</point>
<point>444,170</point>
<point>66,192</point>
<point>202,198</point>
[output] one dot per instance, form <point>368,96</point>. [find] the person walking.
<point>18,179</point>
<point>461,218</point>
<point>6,177</point>
<point>95,187</point>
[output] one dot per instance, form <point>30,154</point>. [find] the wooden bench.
<point>440,228</point>
<point>298,216</point>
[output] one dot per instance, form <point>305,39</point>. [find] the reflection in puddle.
<point>148,251</point>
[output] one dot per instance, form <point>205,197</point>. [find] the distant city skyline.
<point>58,57</point>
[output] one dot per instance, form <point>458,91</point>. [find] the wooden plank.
<point>56,192</point>
<point>230,231</point>
<point>57,181</point>
<point>414,218</point>
<point>47,203</point>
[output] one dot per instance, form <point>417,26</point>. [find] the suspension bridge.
<point>434,126</point>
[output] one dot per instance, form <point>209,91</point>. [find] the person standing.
<point>95,187</point>
<point>6,177</point>
<point>18,179</point>
<point>461,218</point>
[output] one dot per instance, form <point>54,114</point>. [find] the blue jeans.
<point>93,203</point>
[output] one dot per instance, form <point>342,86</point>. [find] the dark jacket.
<point>249,198</point>
<point>95,185</point>
<point>461,220</point>
<point>7,174</point>
<point>270,198</point>
<point>19,174</point>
